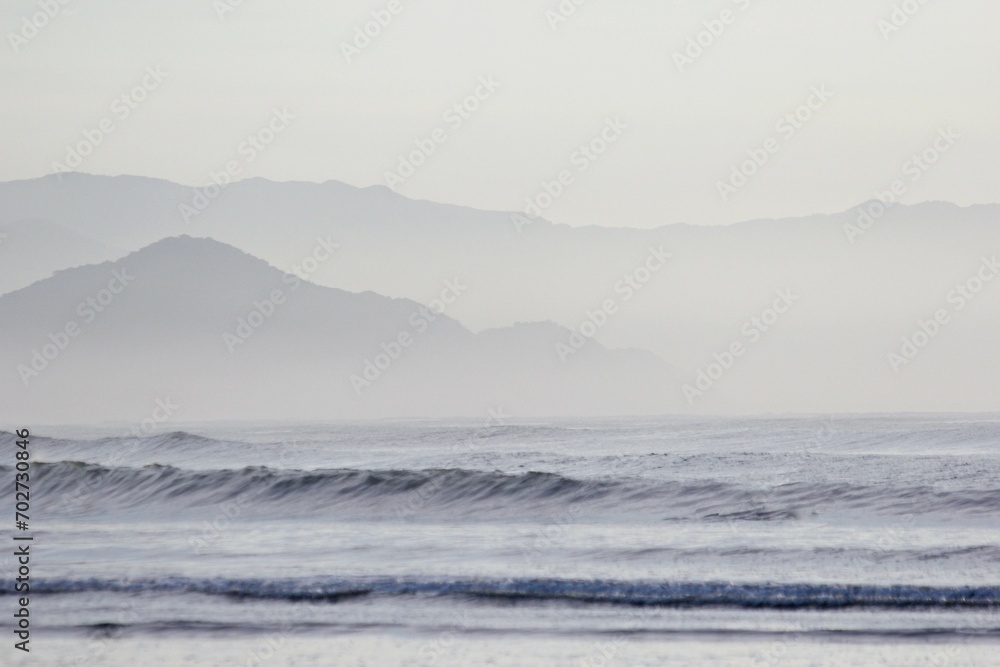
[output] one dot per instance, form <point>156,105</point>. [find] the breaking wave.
<point>70,487</point>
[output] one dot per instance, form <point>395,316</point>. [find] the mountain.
<point>219,334</point>
<point>862,281</point>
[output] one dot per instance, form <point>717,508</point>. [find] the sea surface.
<point>862,540</point>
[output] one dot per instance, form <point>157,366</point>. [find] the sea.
<point>770,540</point>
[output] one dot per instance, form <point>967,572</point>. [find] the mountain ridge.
<point>228,336</point>
<point>383,189</point>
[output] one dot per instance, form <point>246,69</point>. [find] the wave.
<point>569,591</point>
<point>75,487</point>
<point>171,438</point>
<point>134,440</point>
<point>865,434</point>
<point>186,628</point>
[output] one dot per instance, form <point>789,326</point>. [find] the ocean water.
<point>675,541</point>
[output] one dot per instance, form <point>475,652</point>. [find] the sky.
<point>288,91</point>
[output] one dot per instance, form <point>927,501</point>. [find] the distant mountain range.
<point>223,335</point>
<point>859,285</point>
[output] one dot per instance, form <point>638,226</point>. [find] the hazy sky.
<point>677,130</point>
